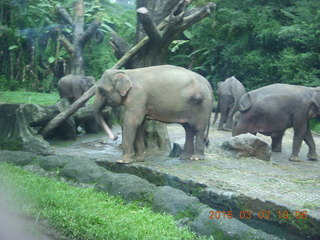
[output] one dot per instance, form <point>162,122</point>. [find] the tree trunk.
<point>80,36</point>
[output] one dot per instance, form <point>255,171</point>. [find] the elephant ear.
<point>315,104</point>
<point>245,103</point>
<point>123,83</point>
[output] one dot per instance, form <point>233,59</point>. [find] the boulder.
<point>17,157</point>
<point>129,187</point>
<point>82,170</point>
<point>55,161</point>
<point>248,145</point>
<point>176,202</point>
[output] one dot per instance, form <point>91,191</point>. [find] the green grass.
<point>29,97</point>
<point>83,213</point>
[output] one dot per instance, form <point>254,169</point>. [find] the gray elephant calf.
<point>272,109</point>
<point>73,86</point>
<point>229,94</point>
<point>165,93</point>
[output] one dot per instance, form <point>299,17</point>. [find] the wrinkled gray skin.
<point>229,93</point>
<point>73,86</point>
<point>165,93</point>
<point>272,109</point>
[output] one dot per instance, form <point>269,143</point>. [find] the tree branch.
<point>90,31</point>
<point>67,44</point>
<point>196,16</point>
<point>120,46</point>
<point>64,14</point>
<point>148,25</point>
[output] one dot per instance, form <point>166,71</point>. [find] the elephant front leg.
<point>130,126</point>
<point>312,154</point>
<point>297,141</point>
<point>139,143</point>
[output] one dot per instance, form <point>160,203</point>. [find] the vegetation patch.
<point>10,144</point>
<point>29,97</point>
<point>83,213</point>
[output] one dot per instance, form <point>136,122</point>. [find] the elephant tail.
<point>206,138</point>
<point>216,114</point>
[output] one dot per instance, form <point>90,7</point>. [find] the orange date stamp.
<point>258,214</point>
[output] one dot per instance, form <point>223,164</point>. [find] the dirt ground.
<point>292,184</point>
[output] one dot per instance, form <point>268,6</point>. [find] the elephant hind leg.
<point>199,146</point>
<point>187,151</point>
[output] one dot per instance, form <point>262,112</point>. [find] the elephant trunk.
<point>103,124</point>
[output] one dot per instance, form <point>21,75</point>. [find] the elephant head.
<point>111,91</point>
<point>314,110</point>
<point>86,82</point>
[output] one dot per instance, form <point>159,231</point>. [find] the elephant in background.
<point>73,86</point>
<point>165,93</point>
<point>272,109</point>
<point>229,93</point>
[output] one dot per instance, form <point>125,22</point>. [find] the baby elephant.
<point>229,94</point>
<point>73,86</point>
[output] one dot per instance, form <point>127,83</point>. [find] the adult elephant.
<point>73,86</point>
<point>272,109</point>
<point>229,93</point>
<point>165,93</point>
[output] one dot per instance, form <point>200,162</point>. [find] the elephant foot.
<point>294,159</point>
<point>197,157</point>
<point>127,160</point>
<point>313,157</point>
<point>185,156</point>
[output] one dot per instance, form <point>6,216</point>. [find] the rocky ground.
<point>224,182</point>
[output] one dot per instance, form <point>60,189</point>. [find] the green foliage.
<point>259,42</point>
<point>85,214</point>
<point>32,58</point>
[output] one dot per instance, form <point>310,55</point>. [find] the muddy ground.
<point>294,185</point>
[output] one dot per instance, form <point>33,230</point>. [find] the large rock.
<point>82,170</point>
<point>176,203</point>
<point>55,161</point>
<point>129,187</point>
<point>248,145</point>
<point>225,227</point>
<point>17,157</point>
